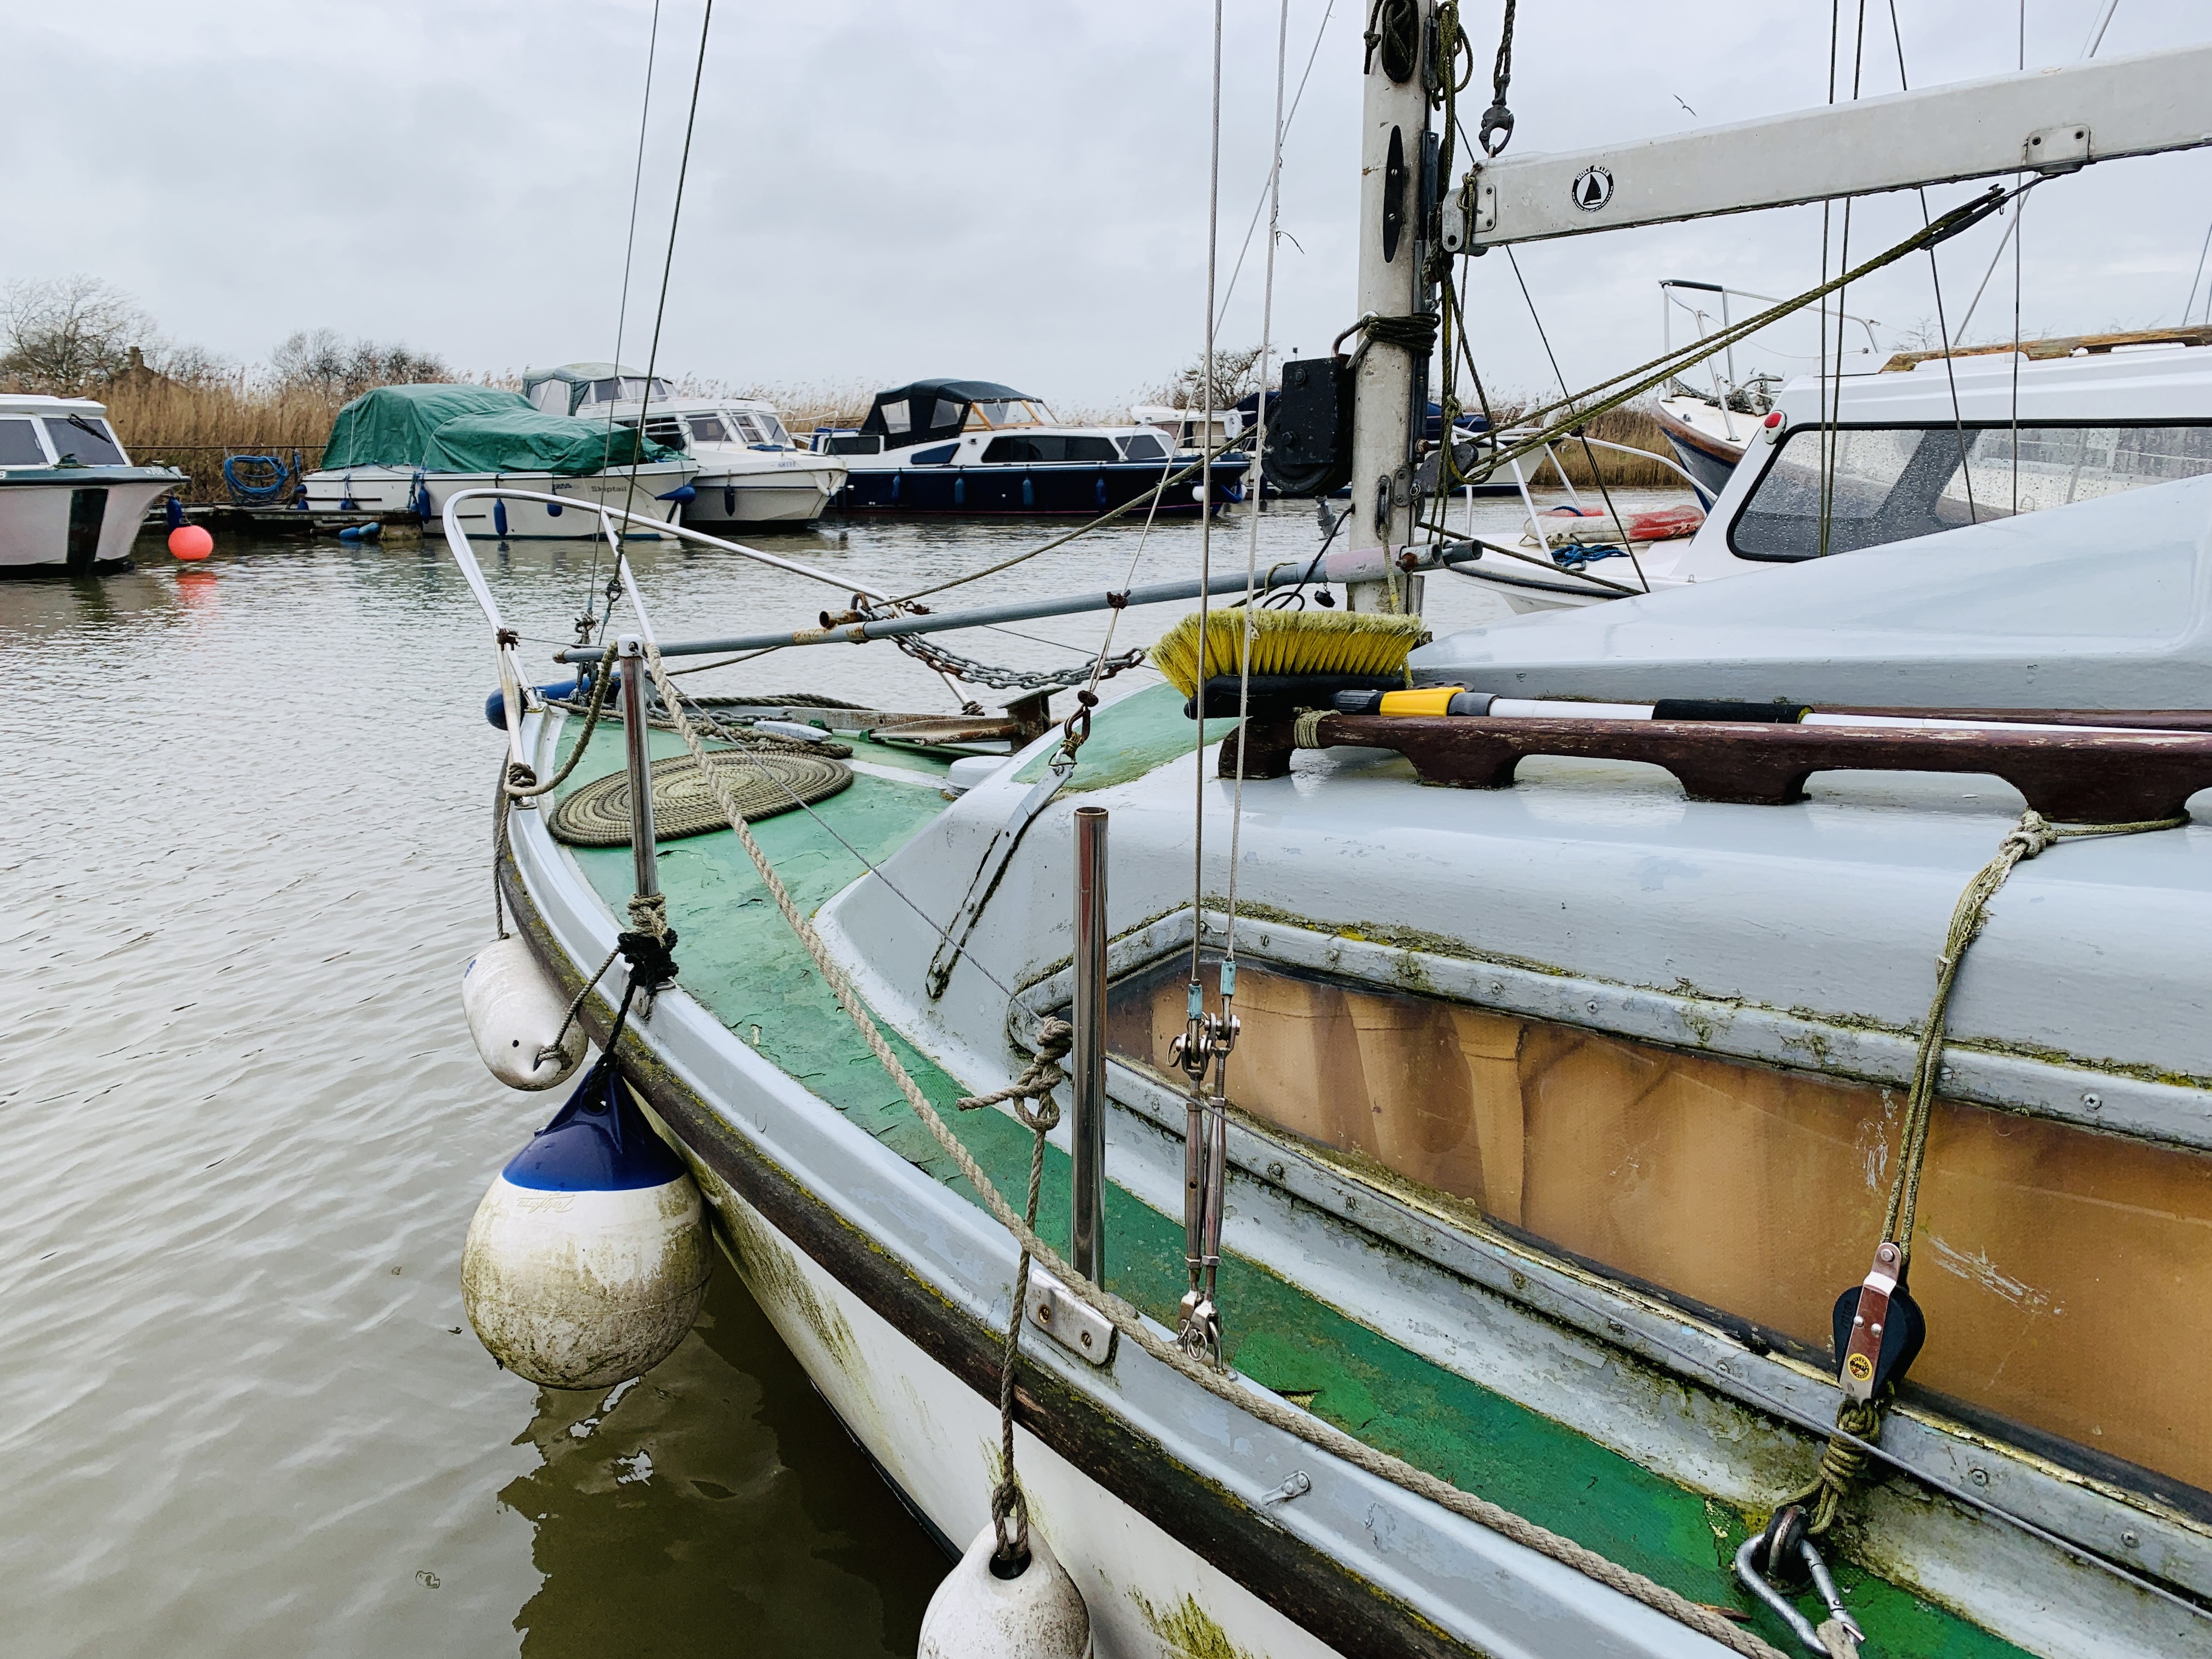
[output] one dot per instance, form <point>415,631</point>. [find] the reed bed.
<point>194,425</point>
<point>1631,426</point>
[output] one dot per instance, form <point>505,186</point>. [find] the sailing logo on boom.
<point>1592,188</point>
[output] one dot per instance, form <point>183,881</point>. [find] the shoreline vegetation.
<point>194,425</point>
<point>178,405</point>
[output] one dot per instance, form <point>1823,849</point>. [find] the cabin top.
<point>931,410</point>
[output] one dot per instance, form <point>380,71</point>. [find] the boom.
<point>2051,120</point>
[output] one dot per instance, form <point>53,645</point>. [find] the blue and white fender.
<point>515,1012</point>
<point>587,1259</point>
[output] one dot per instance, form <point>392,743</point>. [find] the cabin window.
<point>666,429</point>
<point>2061,1269</point>
<point>1092,449</point>
<point>895,417</point>
<point>854,443</point>
<point>604,391</point>
<point>1010,413</point>
<point>1143,448</point>
<point>551,395</point>
<point>947,413</point>
<point>19,445</point>
<point>1895,483</point>
<point>84,438</point>
<point>709,429</point>
<point>771,429</point>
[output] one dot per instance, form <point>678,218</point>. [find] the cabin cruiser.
<point>750,472</point>
<point>974,447</point>
<point>69,498</point>
<point>408,448</point>
<point>1928,443</point>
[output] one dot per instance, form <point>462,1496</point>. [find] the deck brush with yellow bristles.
<point>1288,644</point>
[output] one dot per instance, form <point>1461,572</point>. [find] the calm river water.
<point>246,1128</point>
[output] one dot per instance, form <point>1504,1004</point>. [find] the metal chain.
<point>1013,679</point>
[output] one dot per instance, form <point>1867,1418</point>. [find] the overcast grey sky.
<point>1009,189</point>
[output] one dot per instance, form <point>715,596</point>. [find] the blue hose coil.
<point>275,478</point>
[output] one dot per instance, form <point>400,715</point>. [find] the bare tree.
<point>1236,377</point>
<point>62,335</point>
<point>322,360</point>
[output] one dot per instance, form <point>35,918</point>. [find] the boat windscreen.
<point>1893,483</point>
<point>1025,411</point>
<point>83,440</point>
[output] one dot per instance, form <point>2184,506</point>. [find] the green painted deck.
<point>740,960</point>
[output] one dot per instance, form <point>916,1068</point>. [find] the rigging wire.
<point>1589,454</point>
<point>1260,206</point>
<point>2019,237</point>
<point>622,310</point>
<point>668,263</point>
<point>1250,623</point>
<point>1935,282</point>
<point>1205,508</point>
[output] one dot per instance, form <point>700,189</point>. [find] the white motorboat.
<point>69,498</point>
<point>408,448</point>
<point>1928,443</point>
<point>977,448</point>
<point>749,471</point>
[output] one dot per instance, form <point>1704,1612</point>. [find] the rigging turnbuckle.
<point>1782,1550</point>
<point>1205,1046</point>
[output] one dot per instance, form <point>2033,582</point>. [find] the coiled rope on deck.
<point>1276,1413</point>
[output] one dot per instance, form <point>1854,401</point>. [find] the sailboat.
<point>1449,1231</point>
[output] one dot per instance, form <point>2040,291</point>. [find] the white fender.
<point>514,1009</point>
<point>976,1614</point>
<point>588,1259</point>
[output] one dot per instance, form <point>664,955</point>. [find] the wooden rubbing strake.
<point>2087,777</point>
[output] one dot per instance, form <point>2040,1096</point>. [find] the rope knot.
<point>650,944</point>
<point>2032,835</point>
<point>1036,1083</point>
<point>1305,732</point>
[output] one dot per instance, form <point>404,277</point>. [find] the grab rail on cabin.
<point>2085,777</point>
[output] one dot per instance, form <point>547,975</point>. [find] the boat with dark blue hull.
<point>975,448</point>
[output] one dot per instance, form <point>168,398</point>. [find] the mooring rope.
<point>1010,1508</point>
<point>1843,1460</point>
<point>1277,1413</point>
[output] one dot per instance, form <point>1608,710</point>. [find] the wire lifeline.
<point>1276,1413</point>
<point>1844,1462</point>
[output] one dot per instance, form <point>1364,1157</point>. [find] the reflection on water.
<point>673,1513</point>
<point>247,854</point>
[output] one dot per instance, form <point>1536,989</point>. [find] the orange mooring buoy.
<point>188,541</point>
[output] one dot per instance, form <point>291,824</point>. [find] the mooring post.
<point>1087,1247</point>
<point>637,733</point>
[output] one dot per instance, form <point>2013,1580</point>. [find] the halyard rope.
<point>1844,1462</point>
<point>1276,1413</point>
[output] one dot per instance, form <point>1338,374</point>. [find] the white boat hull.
<point>936,1439</point>
<point>392,489</point>
<point>791,493</point>
<point>42,514</point>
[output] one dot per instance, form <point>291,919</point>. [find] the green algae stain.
<point>1187,1630</point>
